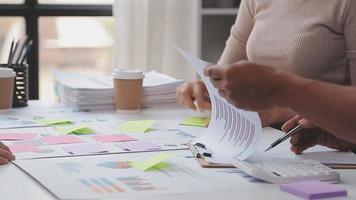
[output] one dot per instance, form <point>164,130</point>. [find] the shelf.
<point>219,11</point>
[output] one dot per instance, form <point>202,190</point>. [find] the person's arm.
<point>311,136</point>
<point>235,48</point>
<point>350,38</point>
<point>331,107</point>
<point>254,87</point>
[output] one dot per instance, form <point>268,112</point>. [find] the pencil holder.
<point>21,84</point>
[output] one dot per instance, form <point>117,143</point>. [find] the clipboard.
<point>203,162</point>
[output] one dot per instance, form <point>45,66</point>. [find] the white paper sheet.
<point>232,133</point>
<point>110,176</point>
<point>166,133</point>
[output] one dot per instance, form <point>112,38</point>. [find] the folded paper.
<point>48,122</point>
<point>196,121</point>
<point>152,162</point>
<point>140,126</point>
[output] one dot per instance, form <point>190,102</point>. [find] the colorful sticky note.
<point>113,138</point>
<point>152,162</point>
<point>63,139</point>
<point>23,148</point>
<point>138,146</point>
<point>196,121</point>
<point>140,126</point>
<point>313,189</point>
<point>77,130</point>
<point>84,149</point>
<point>17,136</point>
<point>48,122</point>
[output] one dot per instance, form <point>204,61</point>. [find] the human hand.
<point>247,85</point>
<point>311,136</point>
<point>192,91</point>
<point>5,154</point>
<point>275,115</point>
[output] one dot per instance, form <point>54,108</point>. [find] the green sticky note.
<point>48,122</point>
<point>196,121</point>
<point>155,161</point>
<point>140,126</point>
<point>77,130</point>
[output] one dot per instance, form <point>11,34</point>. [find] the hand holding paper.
<point>232,133</point>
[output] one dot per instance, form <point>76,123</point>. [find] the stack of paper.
<point>88,92</point>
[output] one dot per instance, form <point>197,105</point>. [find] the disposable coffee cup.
<point>7,77</point>
<point>128,90</point>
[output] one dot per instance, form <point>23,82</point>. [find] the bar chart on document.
<point>232,133</point>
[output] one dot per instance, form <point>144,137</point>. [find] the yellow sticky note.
<point>196,121</point>
<point>140,126</point>
<point>47,122</point>
<point>77,130</point>
<point>157,160</point>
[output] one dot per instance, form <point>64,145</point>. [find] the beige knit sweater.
<point>313,38</point>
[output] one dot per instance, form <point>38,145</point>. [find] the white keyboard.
<point>288,170</point>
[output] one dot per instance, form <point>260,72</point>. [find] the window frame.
<point>31,10</point>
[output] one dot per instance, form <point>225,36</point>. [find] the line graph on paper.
<point>232,133</point>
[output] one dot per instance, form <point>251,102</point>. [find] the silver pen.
<point>285,137</point>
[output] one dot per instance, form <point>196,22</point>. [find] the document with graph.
<point>232,133</point>
<point>116,177</point>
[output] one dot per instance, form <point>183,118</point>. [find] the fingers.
<point>3,161</point>
<point>199,93</point>
<point>184,95</point>
<point>7,155</point>
<point>214,72</point>
<point>193,91</point>
<point>295,121</point>
<point>302,141</point>
<point>306,123</point>
<point>3,146</point>
<point>291,123</point>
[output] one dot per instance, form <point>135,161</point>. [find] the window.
<point>72,35</point>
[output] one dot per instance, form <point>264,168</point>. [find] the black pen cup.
<point>20,97</point>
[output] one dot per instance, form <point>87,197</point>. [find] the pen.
<point>23,47</point>
<point>13,54</point>
<point>285,137</point>
<point>26,52</point>
<point>11,49</point>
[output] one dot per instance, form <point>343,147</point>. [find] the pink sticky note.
<point>138,146</point>
<point>22,148</point>
<point>113,138</point>
<point>63,139</point>
<point>83,149</point>
<point>17,136</point>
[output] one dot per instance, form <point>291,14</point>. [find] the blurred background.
<point>71,39</point>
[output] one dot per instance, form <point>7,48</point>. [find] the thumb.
<point>291,123</point>
<point>306,123</point>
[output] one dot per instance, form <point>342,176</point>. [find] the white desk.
<point>15,184</point>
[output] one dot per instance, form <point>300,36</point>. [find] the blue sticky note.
<point>313,189</point>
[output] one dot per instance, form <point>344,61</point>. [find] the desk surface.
<point>15,184</point>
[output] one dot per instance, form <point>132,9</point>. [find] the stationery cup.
<point>7,77</point>
<point>128,89</point>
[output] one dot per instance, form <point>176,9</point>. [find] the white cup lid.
<point>7,72</point>
<point>127,74</point>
